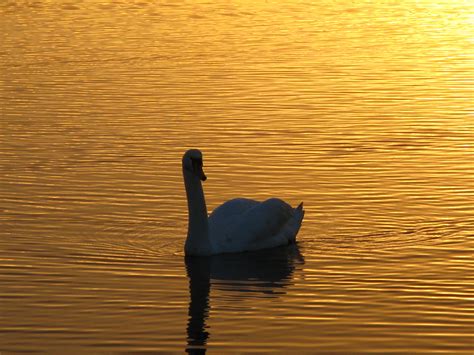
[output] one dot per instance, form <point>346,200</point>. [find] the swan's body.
<point>237,225</point>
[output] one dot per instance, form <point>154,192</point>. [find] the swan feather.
<point>243,225</point>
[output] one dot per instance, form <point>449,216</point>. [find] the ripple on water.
<point>361,112</point>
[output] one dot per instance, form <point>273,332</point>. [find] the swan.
<point>237,225</point>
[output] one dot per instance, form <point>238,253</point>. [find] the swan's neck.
<point>197,242</point>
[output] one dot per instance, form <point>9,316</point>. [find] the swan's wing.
<point>265,225</point>
<point>266,220</point>
<point>231,209</point>
<point>225,217</point>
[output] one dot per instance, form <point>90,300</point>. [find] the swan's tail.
<point>299,214</point>
<point>294,225</point>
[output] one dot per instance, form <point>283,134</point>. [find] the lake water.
<point>363,110</point>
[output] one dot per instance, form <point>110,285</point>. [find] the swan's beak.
<point>202,176</point>
<point>197,169</point>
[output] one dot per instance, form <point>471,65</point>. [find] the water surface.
<point>363,110</point>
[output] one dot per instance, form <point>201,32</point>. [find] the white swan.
<point>237,225</point>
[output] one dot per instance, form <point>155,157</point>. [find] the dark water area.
<point>363,110</point>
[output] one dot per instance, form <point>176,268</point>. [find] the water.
<point>363,110</point>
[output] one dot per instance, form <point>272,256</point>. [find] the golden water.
<point>363,110</point>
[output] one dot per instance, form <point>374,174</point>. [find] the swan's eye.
<point>197,165</point>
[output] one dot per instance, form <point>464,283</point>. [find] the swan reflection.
<point>264,273</point>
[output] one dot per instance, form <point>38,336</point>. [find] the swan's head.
<point>192,164</point>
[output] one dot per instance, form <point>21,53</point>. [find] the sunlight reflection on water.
<point>363,111</point>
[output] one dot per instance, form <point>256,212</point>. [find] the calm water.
<point>363,110</point>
